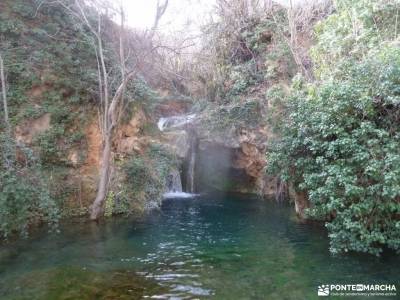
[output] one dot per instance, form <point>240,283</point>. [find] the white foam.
<point>161,122</point>
<point>175,121</point>
<point>170,195</point>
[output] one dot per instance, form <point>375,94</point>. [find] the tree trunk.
<point>301,203</point>
<point>112,110</point>
<point>97,206</point>
<point>4,93</point>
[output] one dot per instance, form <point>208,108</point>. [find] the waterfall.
<point>174,186</point>
<point>191,166</point>
<point>174,183</point>
<point>174,121</point>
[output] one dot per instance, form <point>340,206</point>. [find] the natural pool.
<point>219,247</point>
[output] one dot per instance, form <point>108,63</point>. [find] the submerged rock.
<point>81,283</point>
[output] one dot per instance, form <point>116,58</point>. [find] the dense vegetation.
<point>336,123</point>
<point>340,137</point>
<point>143,179</point>
<point>51,74</point>
<point>25,197</point>
<point>44,76</point>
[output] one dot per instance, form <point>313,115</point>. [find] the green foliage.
<point>144,179</point>
<point>240,115</point>
<point>143,92</point>
<point>40,55</point>
<point>341,143</point>
<point>357,27</point>
<point>24,195</point>
<point>340,137</point>
<point>249,52</point>
<point>137,173</point>
<point>139,94</point>
<point>47,73</point>
<point>50,151</point>
<point>241,77</point>
<point>109,206</point>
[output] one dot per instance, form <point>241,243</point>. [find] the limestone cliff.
<point>230,147</point>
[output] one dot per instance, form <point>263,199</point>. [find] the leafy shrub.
<point>340,138</point>
<point>341,143</point>
<point>50,150</point>
<point>143,92</point>
<point>223,118</point>
<point>24,196</point>
<point>357,27</point>
<point>145,179</point>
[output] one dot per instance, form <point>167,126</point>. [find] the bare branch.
<point>160,11</point>
<point>4,93</point>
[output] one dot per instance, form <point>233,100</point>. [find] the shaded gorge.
<point>216,246</point>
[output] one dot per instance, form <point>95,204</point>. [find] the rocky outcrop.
<point>129,137</point>
<point>172,106</point>
<point>218,169</point>
<point>301,202</point>
<point>242,167</point>
<point>232,159</point>
<point>178,141</point>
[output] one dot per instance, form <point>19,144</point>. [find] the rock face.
<point>129,138</point>
<point>236,169</point>
<point>79,166</point>
<point>235,161</point>
<point>30,129</point>
<point>232,159</point>
<point>178,141</point>
<point>173,107</point>
<point>218,169</point>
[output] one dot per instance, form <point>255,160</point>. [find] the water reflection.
<point>220,247</point>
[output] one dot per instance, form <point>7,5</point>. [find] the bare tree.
<point>301,18</point>
<point>112,104</point>
<point>293,40</point>
<point>9,143</point>
<point>4,94</point>
<point>160,11</point>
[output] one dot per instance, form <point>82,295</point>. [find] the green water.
<point>219,247</point>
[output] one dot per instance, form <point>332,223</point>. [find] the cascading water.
<point>174,183</point>
<point>174,121</point>
<point>190,172</point>
<point>190,182</point>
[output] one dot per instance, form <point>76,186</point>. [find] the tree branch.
<point>4,93</point>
